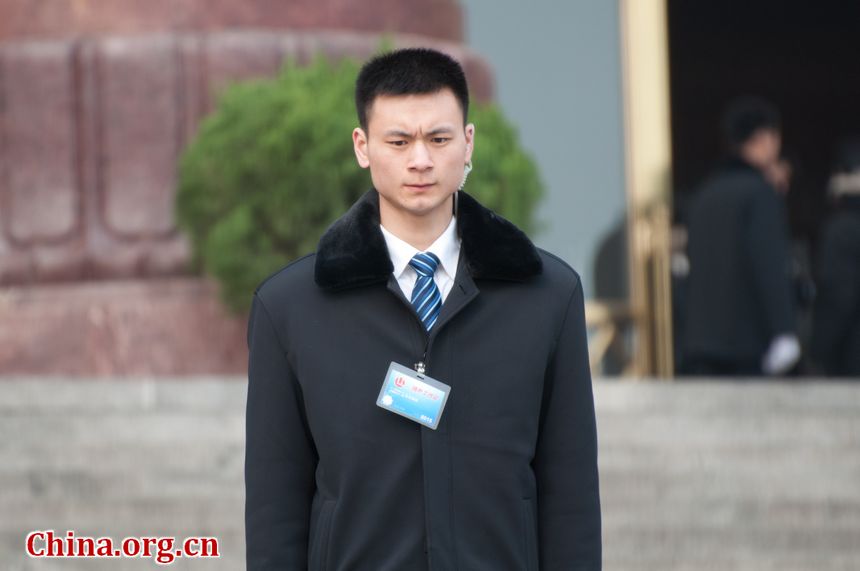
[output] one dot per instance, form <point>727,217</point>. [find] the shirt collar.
<point>446,247</point>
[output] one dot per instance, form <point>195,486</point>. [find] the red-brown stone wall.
<point>90,134</point>
<point>57,19</point>
<point>97,100</point>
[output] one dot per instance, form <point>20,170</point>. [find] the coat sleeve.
<point>280,458</point>
<point>769,259</point>
<point>565,460</point>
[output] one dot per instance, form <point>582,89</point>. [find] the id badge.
<point>413,395</point>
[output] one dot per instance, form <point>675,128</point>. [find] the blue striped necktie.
<point>426,297</point>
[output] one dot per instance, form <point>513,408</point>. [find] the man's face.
<point>416,148</point>
<point>764,147</point>
<point>772,143</point>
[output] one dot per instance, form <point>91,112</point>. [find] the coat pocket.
<point>318,557</point>
<point>529,510</point>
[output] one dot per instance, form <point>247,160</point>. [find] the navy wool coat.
<point>740,294</point>
<point>509,478</point>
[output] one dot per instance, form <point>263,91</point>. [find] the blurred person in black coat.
<point>740,313</point>
<point>836,324</point>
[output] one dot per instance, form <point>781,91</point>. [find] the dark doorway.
<point>803,56</point>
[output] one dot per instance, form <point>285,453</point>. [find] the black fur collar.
<point>353,253</point>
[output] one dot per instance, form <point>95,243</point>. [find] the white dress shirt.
<point>447,249</point>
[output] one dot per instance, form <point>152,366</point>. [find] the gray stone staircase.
<point>695,475</point>
<point>122,458</point>
<point>752,476</point>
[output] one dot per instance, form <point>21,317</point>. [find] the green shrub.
<point>274,166</point>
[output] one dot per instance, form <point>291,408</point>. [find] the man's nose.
<point>419,158</point>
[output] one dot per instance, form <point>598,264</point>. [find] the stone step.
<point>694,475</point>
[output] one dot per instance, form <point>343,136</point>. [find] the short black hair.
<point>406,72</point>
<point>746,115</point>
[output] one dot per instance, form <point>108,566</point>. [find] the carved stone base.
<point>172,326</point>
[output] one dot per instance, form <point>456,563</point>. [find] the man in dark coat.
<point>836,325</point>
<point>740,311</point>
<point>423,276</point>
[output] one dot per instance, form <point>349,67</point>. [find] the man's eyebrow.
<point>397,133</point>
<point>444,130</point>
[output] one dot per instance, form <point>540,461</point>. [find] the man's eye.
<point>397,143</point>
<point>440,140</point>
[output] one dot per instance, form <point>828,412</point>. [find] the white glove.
<point>782,355</point>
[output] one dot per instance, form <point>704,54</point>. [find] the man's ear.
<point>470,141</point>
<point>359,145</point>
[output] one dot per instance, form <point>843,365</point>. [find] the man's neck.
<point>418,231</point>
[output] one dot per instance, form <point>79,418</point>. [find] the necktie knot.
<point>425,264</point>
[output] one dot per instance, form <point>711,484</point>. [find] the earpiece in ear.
<point>466,170</point>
